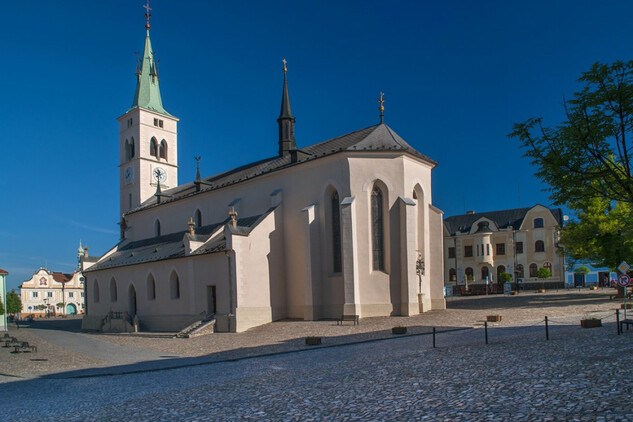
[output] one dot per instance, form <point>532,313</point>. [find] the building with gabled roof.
<point>331,229</point>
<point>53,293</point>
<point>478,247</point>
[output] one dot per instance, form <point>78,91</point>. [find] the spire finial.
<point>285,68</point>
<point>233,215</point>
<point>147,14</point>
<point>191,225</point>
<point>381,100</point>
<point>197,168</point>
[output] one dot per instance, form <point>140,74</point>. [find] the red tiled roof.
<point>61,277</point>
<point>3,271</point>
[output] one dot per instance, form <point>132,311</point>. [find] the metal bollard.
<point>617,321</point>
<point>486,330</point>
<point>434,337</point>
<point>546,329</point>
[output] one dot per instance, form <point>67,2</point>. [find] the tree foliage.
<point>505,277</point>
<point>14,304</point>
<point>590,154</point>
<point>1,308</point>
<point>543,273</point>
<point>582,270</point>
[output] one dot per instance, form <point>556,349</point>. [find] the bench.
<point>10,342</point>
<point>348,318</point>
<point>626,322</point>
<point>24,346</point>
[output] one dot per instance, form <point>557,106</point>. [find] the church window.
<point>113,292</point>
<point>163,149</point>
<point>129,122</point>
<point>157,228</point>
<point>484,273</point>
<point>153,147</point>
<point>533,270</point>
<point>174,286</point>
<point>539,246</point>
<point>151,287</point>
<point>538,223</point>
<point>198,218</point>
<point>95,295</point>
<point>127,149</point>
<point>158,123</point>
<point>336,234</point>
<point>377,232</point>
<point>132,148</point>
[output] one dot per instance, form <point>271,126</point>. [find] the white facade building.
<point>56,293</point>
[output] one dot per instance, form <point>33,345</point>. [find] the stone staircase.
<point>204,324</point>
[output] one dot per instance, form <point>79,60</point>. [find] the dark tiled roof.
<point>503,219</point>
<point>171,245</point>
<point>374,138</point>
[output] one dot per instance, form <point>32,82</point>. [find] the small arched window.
<point>198,218</point>
<point>153,147</point>
<point>539,246</point>
<point>377,232</point>
<point>174,286</point>
<point>484,272</point>
<point>113,292</point>
<point>157,228</point>
<point>336,234</point>
<point>533,270</point>
<point>519,271</point>
<point>469,272</point>
<point>548,265</point>
<point>151,287</point>
<point>95,294</point>
<point>163,149</point>
<point>500,270</point>
<point>538,223</point>
<point>452,274</point>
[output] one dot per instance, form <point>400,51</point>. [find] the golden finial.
<point>191,225</point>
<point>285,68</point>
<point>381,100</point>
<point>233,216</point>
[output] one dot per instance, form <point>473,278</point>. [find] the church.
<point>341,227</point>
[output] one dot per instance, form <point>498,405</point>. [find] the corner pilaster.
<point>351,305</point>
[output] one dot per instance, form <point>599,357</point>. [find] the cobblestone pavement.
<point>579,374</point>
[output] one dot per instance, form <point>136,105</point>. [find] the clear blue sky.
<point>456,76</point>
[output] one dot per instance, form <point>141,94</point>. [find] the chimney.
<point>470,212</point>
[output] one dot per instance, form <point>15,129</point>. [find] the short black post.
<point>486,330</point>
<point>617,321</point>
<point>546,329</point>
<point>434,337</point>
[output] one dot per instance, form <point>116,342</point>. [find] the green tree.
<point>582,270</point>
<point>505,277</point>
<point>14,304</point>
<point>1,308</point>
<point>543,273</point>
<point>590,154</point>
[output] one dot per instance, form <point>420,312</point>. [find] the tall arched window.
<point>151,287</point>
<point>113,292</point>
<point>452,274</point>
<point>174,286</point>
<point>533,270</point>
<point>500,270</point>
<point>539,246</point>
<point>469,273</point>
<point>484,273</point>
<point>336,234</point>
<point>95,294</point>
<point>163,149</point>
<point>157,228</point>
<point>132,148</point>
<point>153,147</point>
<point>519,271</point>
<point>198,218</point>
<point>127,149</point>
<point>377,229</point>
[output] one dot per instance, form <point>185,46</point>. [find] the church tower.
<point>148,141</point>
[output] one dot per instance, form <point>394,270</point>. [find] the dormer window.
<point>483,226</point>
<point>538,223</point>
<point>158,123</point>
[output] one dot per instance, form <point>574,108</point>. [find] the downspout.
<point>231,306</point>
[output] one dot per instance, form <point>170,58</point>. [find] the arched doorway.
<point>71,309</point>
<point>132,303</point>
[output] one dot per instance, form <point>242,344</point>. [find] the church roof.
<point>171,245</point>
<point>377,138</point>
<point>147,94</point>
<point>504,219</point>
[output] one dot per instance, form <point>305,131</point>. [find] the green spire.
<point>147,94</point>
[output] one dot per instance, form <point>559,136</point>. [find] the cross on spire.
<point>381,100</point>
<point>285,68</point>
<point>147,14</point>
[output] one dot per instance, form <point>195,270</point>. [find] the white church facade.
<point>342,227</point>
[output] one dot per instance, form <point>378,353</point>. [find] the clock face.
<point>129,174</point>
<point>160,174</point>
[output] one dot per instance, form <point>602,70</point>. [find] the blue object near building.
<point>448,291</point>
<point>597,276</point>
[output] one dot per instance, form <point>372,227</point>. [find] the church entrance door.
<point>132,304</point>
<point>211,300</point>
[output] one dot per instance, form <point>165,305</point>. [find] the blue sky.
<point>456,76</point>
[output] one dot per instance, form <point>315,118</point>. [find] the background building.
<point>595,276</point>
<point>480,246</point>
<point>42,293</point>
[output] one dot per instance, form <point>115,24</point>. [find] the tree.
<point>543,273</point>
<point>1,308</point>
<point>505,277</point>
<point>582,270</point>
<point>59,305</point>
<point>14,304</point>
<point>590,154</point>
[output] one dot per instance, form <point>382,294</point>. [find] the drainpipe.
<point>231,307</point>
